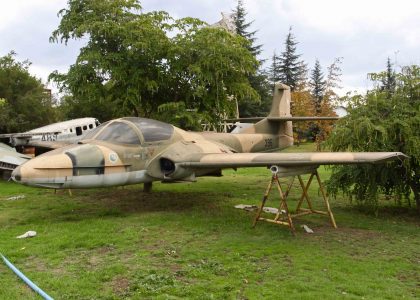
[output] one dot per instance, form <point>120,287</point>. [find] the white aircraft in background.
<point>42,139</point>
<point>9,160</point>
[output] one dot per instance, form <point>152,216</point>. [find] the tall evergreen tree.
<point>389,81</point>
<point>258,81</point>
<point>273,70</point>
<point>323,128</point>
<point>242,28</point>
<point>318,85</point>
<point>291,69</point>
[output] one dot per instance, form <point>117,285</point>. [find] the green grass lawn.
<point>188,241</point>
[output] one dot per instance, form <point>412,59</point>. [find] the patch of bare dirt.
<point>120,285</point>
<point>37,264</point>
<point>354,234</point>
<point>134,200</point>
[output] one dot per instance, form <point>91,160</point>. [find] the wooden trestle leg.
<point>327,203</point>
<point>282,206</point>
<point>260,209</point>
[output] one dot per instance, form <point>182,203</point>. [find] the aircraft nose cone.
<point>49,170</point>
<point>16,175</point>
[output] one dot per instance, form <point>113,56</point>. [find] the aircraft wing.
<point>26,139</point>
<point>304,159</point>
<point>26,134</point>
<point>49,144</point>
<point>10,159</point>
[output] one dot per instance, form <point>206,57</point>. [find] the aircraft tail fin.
<point>280,107</point>
<point>277,120</point>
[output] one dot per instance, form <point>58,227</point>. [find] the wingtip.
<point>401,155</point>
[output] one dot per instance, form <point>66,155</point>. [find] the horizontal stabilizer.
<point>283,119</point>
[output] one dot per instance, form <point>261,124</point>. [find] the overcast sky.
<point>363,32</point>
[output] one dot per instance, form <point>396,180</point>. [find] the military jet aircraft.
<point>138,150</point>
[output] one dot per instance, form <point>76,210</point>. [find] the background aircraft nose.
<point>16,176</point>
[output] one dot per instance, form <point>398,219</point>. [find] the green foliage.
<point>290,69</point>
<point>273,69</point>
<point>72,108</point>
<point>381,122</point>
<point>242,28</point>
<point>134,62</point>
<point>24,104</point>
<point>211,67</point>
<point>260,105</point>
<point>251,107</point>
<point>385,80</point>
<point>318,85</point>
<point>389,82</point>
<point>177,114</point>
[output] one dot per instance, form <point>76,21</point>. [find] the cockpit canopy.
<point>122,131</point>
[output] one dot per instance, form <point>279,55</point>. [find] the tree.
<point>388,81</point>
<point>323,129</point>
<point>288,69</point>
<point>273,70</point>
<point>25,103</point>
<point>333,81</point>
<point>317,84</point>
<point>134,62</point>
<point>302,105</point>
<point>378,121</point>
<point>258,80</point>
<point>292,71</point>
<point>325,107</point>
<point>242,28</point>
<point>252,107</point>
<point>211,68</point>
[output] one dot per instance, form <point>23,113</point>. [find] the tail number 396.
<point>268,143</point>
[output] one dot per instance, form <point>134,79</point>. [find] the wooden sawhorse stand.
<point>283,216</point>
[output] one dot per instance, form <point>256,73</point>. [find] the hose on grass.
<point>26,279</point>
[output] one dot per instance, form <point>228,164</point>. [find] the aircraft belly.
<point>103,180</point>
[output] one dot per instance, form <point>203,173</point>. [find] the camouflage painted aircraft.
<point>137,150</point>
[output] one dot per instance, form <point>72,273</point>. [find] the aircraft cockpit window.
<point>152,130</point>
<point>91,134</point>
<point>120,133</point>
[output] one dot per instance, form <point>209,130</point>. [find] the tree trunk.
<point>416,191</point>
